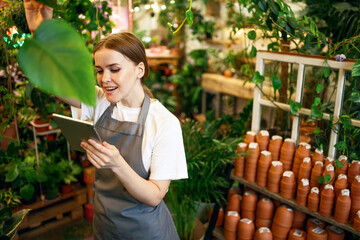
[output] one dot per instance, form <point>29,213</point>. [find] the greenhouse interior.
<point>217,119</point>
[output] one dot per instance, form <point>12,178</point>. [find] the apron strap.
<point>144,110</point>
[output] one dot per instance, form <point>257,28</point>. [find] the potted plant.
<point>50,167</point>
<point>69,171</point>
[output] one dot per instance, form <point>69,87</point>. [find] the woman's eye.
<point>99,71</point>
<point>115,70</point>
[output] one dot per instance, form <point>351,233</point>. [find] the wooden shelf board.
<point>292,203</point>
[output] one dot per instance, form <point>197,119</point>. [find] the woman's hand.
<point>36,13</point>
<point>102,155</point>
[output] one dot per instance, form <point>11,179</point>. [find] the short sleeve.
<point>168,157</point>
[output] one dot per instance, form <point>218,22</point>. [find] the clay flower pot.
<point>316,172</point>
<point>232,191</point>
<point>317,234</point>
<point>297,234</point>
<point>263,168</point>
<point>327,200</point>
<point>265,209</point>
<point>232,219</point>
<point>318,156</point>
<point>288,185</point>
<point>234,203</point>
<point>283,219</point>
<point>345,165</point>
<point>275,146</point>
<point>303,191</point>
<point>240,160</point>
<point>343,206</point>
<point>335,233</point>
<point>299,219</point>
<point>248,205</point>
<point>260,222</point>
<point>251,162</point>
<point>356,221</point>
<point>301,152</point>
<point>313,223</point>
<point>263,233</point>
<point>263,139</point>
<point>329,170</point>
<point>287,152</point>
<point>355,196</point>
<point>354,170</point>
<point>313,199</point>
<point>250,137</point>
<point>340,184</point>
<point>328,161</point>
<point>220,218</point>
<point>305,169</point>
<point>274,176</point>
<point>246,229</point>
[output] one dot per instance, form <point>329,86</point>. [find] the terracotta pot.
<point>66,188</point>
<point>220,217</point>
<point>318,156</point>
<point>301,152</point>
<point>313,199</point>
<point>263,168</point>
<point>287,153</point>
<point>246,229</point>
<point>335,233</point>
<point>316,172</point>
<point>250,137</point>
<point>41,125</point>
<point>249,202</point>
<point>329,170</point>
<point>230,235</point>
<point>251,162</point>
<point>314,222</point>
<point>354,170</point>
<point>232,191</point>
<point>317,234</point>
<point>234,203</point>
<point>263,139</point>
<point>299,219</point>
<point>343,206</point>
<point>232,219</point>
<point>305,169</point>
<point>356,221</point>
<point>275,147</point>
<point>279,232</point>
<point>263,233</point>
<point>288,185</point>
<point>328,161</point>
<point>297,234</point>
<point>265,208</point>
<point>274,176</point>
<point>303,191</point>
<point>260,222</point>
<point>327,200</point>
<point>240,160</point>
<point>355,198</point>
<point>284,216</point>
<point>9,134</point>
<point>345,165</point>
<point>340,184</point>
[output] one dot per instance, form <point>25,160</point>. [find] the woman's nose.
<point>106,76</point>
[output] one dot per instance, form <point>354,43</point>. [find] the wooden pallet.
<point>47,215</point>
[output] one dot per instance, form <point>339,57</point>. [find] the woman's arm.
<point>104,155</point>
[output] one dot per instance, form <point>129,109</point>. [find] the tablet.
<point>76,130</point>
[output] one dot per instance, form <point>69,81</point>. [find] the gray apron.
<point>118,215</point>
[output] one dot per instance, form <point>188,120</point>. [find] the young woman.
<point>142,149</point>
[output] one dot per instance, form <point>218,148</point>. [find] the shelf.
<point>293,204</point>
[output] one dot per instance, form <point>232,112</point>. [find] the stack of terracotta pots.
<point>301,152</point>
<point>354,170</point>
<point>356,221</point>
<point>305,169</point>
<point>342,207</point>
<point>288,185</point>
<point>317,156</point>
<point>328,161</point>
<point>355,196</point>
<point>287,153</point>
<point>246,229</point>
<point>240,160</point>
<point>231,222</point>
<point>327,201</point>
<point>220,217</point>
<point>303,191</point>
<point>313,223</point>
<point>251,162</point>
<point>263,168</point>
<point>274,176</point>
<point>313,199</point>
<point>344,166</point>
<point>340,184</point>
<point>283,219</point>
<point>248,205</point>
<point>330,171</point>
<point>233,190</point>
<point>234,203</point>
<point>297,234</point>
<point>263,140</point>
<point>335,233</point>
<point>299,219</point>
<point>263,233</point>
<point>250,137</point>
<point>275,146</point>
<point>264,213</point>
<point>317,234</point>
<point>316,172</point>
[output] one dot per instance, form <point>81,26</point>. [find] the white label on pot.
<point>357,177</point>
<point>345,192</point>
<point>264,229</point>
<point>319,151</point>
<point>330,159</point>
<point>306,145</point>
<point>342,176</point>
<point>232,213</point>
<point>342,157</point>
<point>307,160</point>
<point>252,133</point>
<point>243,145</point>
<point>355,161</point>
<point>289,140</point>
<point>314,190</point>
<point>298,233</point>
<point>287,174</point>
<point>288,208</point>
<point>276,137</point>
<point>245,220</point>
<point>276,163</point>
<point>249,192</point>
<point>305,182</point>
<point>316,221</point>
<point>253,145</point>
<point>329,186</point>
<point>265,199</point>
<point>330,168</point>
<point>358,213</point>
<point>336,229</point>
<point>319,162</point>
<point>266,153</point>
<point>318,230</point>
<point>264,132</point>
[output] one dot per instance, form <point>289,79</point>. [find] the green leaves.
<point>355,96</point>
<point>356,69</point>
<point>189,17</point>
<point>294,107</point>
<point>253,52</point>
<point>50,3</point>
<point>319,88</point>
<point>340,146</point>
<point>252,35</point>
<point>258,79</point>
<point>315,109</point>
<point>12,174</point>
<point>276,82</point>
<point>27,191</point>
<point>57,61</point>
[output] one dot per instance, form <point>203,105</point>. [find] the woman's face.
<point>119,77</point>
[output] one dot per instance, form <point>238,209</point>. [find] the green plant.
<point>69,170</point>
<point>9,222</point>
<point>50,167</point>
<point>9,198</point>
<point>207,155</point>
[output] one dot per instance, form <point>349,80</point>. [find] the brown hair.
<point>131,47</point>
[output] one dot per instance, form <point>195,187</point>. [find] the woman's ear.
<point>140,70</point>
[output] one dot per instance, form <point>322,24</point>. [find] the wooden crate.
<point>47,215</point>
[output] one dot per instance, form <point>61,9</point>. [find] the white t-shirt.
<point>162,148</point>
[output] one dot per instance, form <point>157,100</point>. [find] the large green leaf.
<point>356,69</point>
<point>57,61</point>
<point>50,3</point>
<point>16,219</point>
<point>27,191</point>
